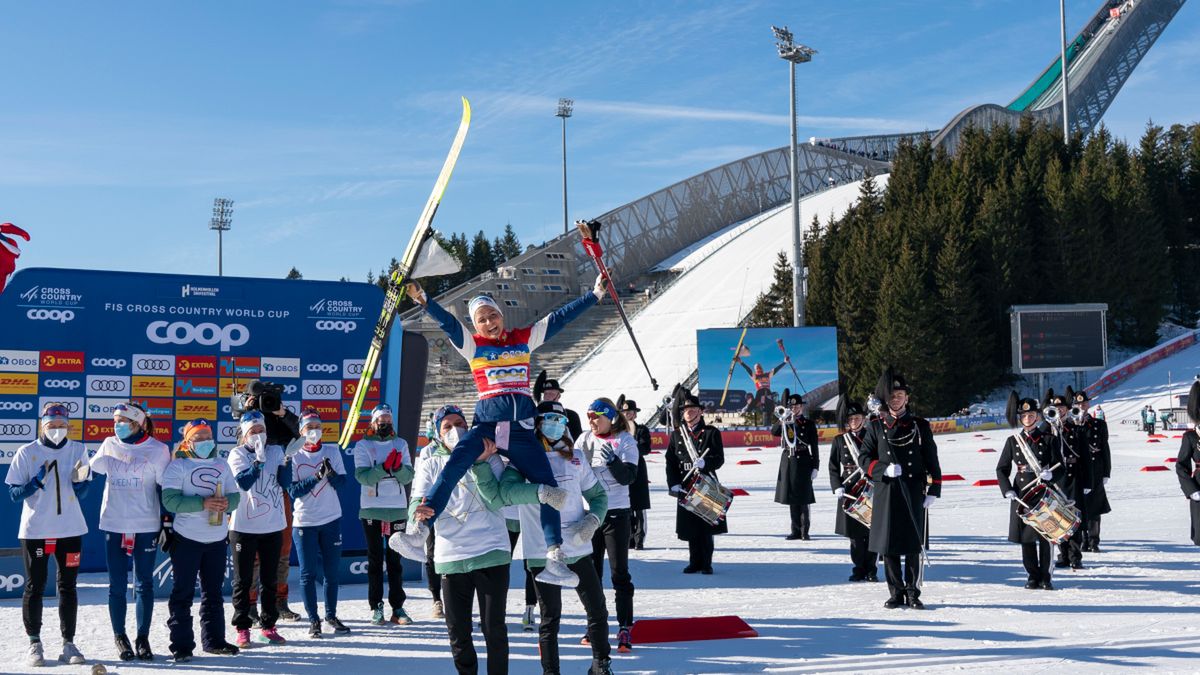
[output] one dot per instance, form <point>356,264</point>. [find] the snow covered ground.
<point>1136,605</point>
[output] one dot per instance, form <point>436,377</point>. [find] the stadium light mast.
<point>565,107</point>
<point>793,54</point>
<point>1062,20</point>
<point>222,219</point>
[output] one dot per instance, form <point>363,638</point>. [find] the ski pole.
<point>779,341</point>
<point>737,352</point>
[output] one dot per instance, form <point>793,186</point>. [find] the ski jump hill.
<point>699,236</point>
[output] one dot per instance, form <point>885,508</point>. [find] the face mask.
<point>313,436</point>
<point>56,436</point>
<point>384,430</point>
<point>123,430</point>
<point>451,437</point>
<point>204,449</point>
<point>256,441</point>
<point>553,430</point>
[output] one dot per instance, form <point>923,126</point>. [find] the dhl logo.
<point>19,383</point>
<point>153,385</point>
<point>62,362</point>
<point>190,410</point>
<point>227,387</point>
<point>75,430</point>
<point>350,386</point>
<point>196,365</point>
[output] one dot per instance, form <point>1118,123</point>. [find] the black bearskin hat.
<point>889,381</point>
<point>846,409</point>
<point>1194,402</point>
<point>1018,406</point>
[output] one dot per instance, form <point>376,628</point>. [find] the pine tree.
<point>294,274</point>
<point>481,258</point>
<point>773,308</point>
<point>508,246</point>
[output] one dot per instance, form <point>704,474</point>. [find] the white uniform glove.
<point>1087,491</point>
<point>1046,474</point>
<point>699,463</point>
<point>893,471</point>
<point>1010,495</point>
<point>839,493</point>
<point>600,287</point>
<point>929,500</point>
<point>1196,496</point>
<point>814,474</point>
<point>1104,481</point>
<point>677,490</point>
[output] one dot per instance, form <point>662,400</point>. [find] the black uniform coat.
<point>639,490</point>
<point>679,462</point>
<point>1047,455</point>
<point>1078,461</point>
<point>1186,468</point>
<point>898,515</point>
<point>794,484</point>
<point>842,464</point>
<point>1095,434</point>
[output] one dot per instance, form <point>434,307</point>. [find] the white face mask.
<point>256,441</point>
<point>313,436</point>
<point>56,436</point>
<point>451,437</point>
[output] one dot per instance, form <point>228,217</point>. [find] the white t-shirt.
<point>466,528</point>
<point>388,493</point>
<point>575,476</point>
<point>625,447</point>
<point>199,478</point>
<point>134,472</point>
<point>321,505</point>
<point>52,512</point>
<point>260,510</point>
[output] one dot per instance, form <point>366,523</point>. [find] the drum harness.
<point>1034,465</point>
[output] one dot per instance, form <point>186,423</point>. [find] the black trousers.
<point>1093,531</point>
<point>591,595</point>
<point>800,519</point>
<point>244,548</point>
<point>191,559</point>
<point>1036,557</point>
<point>866,562</point>
<point>901,583</point>
<point>530,594</point>
<point>376,552</point>
<point>1071,550</point>
<point>700,551</point>
<point>613,538</point>
<point>37,566</point>
<point>637,527</point>
<point>458,593</point>
<point>432,578</point>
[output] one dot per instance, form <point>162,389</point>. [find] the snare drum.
<point>1048,511</point>
<point>708,499</point>
<point>859,502</point>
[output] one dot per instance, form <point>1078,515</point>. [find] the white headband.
<point>132,413</point>
<point>482,301</point>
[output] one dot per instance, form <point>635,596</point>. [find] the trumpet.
<point>1051,414</point>
<point>1076,415</point>
<point>784,415</point>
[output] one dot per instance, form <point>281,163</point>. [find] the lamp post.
<point>222,218</point>
<point>1062,20</point>
<point>793,54</point>
<point>565,107</point>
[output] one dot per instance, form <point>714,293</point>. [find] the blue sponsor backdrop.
<point>93,339</point>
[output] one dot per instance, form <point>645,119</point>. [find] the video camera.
<point>268,398</point>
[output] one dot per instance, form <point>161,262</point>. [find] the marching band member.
<point>688,526</point>
<point>1037,459</point>
<point>1077,480</point>
<point>901,458</point>
<point>798,463</point>
<point>131,519</point>
<point>1187,466</point>
<point>844,472</point>
<point>1096,441</point>
<point>48,477</point>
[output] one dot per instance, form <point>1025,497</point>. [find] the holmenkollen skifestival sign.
<point>176,344</point>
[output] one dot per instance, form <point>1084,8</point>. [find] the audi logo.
<point>60,384</point>
<point>15,429</point>
<point>154,364</point>
<point>11,582</point>
<point>354,369</point>
<point>321,389</point>
<point>356,567</point>
<point>321,368</point>
<point>108,363</point>
<point>229,432</point>
<point>59,315</point>
<point>343,326</point>
<point>23,406</point>
<point>71,406</point>
<point>207,334</point>
<point>106,385</point>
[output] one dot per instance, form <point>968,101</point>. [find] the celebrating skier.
<point>762,387</point>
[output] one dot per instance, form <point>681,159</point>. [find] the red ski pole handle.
<point>592,248</point>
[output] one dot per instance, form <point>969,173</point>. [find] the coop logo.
<point>340,326</point>
<point>196,365</point>
<point>322,368</point>
<point>324,390</point>
<point>275,367</point>
<point>110,385</point>
<point>101,408</point>
<point>188,291</point>
<point>18,361</point>
<point>335,308</point>
<point>153,364</point>
<point>108,363</point>
<point>62,362</point>
<point>20,384</point>
<point>72,404</point>
<point>16,406</point>
<point>207,334</point>
<point>59,315</point>
<point>11,582</point>
<point>358,567</point>
<point>52,384</point>
<point>289,388</point>
<point>16,429</point>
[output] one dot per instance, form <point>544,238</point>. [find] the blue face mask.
<point>204,449</point>
<point>553,429</point>
<point>123,430</point>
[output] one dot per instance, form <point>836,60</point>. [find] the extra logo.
<point>340,326</point>
<point>328,410</point>
<point>107,385</point>
<point>16,406</point>
<point>153,364</point>
<point>321,368</point>
<point>18,361</point>
<point>206,334</point>
<point>196,365</point>
<point>322,390</point>
<point>17,429</point>
<point>59,315</point>
<point>109,363</point>
<point>62,362</point>
<point>350,388</point>
<point>20,384</point>
<point>66,383</point>
<point>276,367</point>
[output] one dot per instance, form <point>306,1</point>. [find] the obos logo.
<point>61,384</point>
<point>18,361</point>
<point>341,326</point>
<point>108,385</point>
<point>62,362</point>
<point>59,315</point>
<point>11,582</point>
<point>207,334</point>
<point>275,367</point>
<point>327,390</point>
<point>101,408</point>
<point>153,364</point>
<point>321,368</point>
<point>108,363</point>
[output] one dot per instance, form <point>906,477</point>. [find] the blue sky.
<point>327,121</point>
<point>813,351</point>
